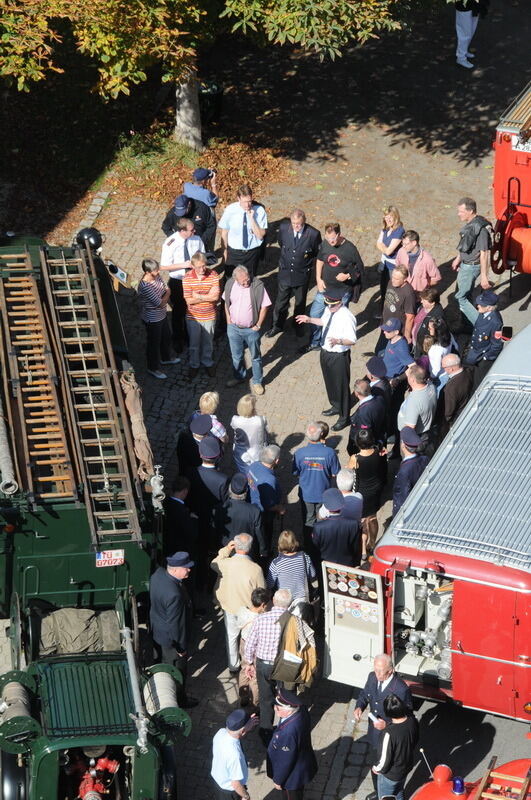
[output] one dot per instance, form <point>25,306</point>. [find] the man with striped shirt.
<point>201,293</point>
<point>260,652</point>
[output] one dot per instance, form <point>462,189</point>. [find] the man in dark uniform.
<point>454,395</point>
<point>370,414</point>
<point>411,468</point>
<point>180,526</point>
<point>337,538</point>
<point>380,684</point>
<point>170,616</point>
<point>299,245</point>
<point>291,762</point>
<point>486,343</point>
<point>380,387</point>
<point>188,443</point>
<point>238,515</point>
<point>195,210</point>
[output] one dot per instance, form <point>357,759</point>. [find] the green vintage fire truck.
<point>80,534</point>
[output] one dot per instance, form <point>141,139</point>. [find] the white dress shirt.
<point>173,252</point>
<point>343,326</point>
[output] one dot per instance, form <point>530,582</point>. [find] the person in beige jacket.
<point>238,576</point>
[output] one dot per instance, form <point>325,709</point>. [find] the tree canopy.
<point>125,36</point>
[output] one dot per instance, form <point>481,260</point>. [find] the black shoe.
<point>189,702</point>
<point>329,412</point>
<point>273,332</point>
<point>340,424</point>
<point>309,347</point>
<point>372,796</point>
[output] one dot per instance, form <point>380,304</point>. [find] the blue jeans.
<point>239,339</point>
<point>317,310</point>
<point>387,787</point>
<point>466,278</point>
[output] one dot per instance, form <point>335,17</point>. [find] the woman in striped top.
<point>292,569</point>
<point>154,295</point>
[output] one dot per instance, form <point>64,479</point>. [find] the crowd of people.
<point>225,526</point>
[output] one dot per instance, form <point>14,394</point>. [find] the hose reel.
<point>17,726</point>
<point>160,699</point>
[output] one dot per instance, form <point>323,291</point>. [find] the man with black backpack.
<point>473,255</point>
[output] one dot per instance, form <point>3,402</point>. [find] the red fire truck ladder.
<point>93,399</point>
<point>34,413</point>
<point>497,785</point>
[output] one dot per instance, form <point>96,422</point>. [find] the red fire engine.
<point>512,187</point>
<point>511,781</point>
<point>448,592</point>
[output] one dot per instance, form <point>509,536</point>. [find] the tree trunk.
<point>187,115</point>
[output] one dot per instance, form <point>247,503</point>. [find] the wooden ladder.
<point>92,401</point>
<point>36,411</point>
<point>497,785</point>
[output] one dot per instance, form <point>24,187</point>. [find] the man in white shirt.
<point>229,765</point>
<point>177,251</point>
<point>337,337</point>
<point>243,227</point>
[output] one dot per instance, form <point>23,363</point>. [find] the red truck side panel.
<point>483,624</point>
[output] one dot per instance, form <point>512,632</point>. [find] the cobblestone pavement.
<point>370,168</point>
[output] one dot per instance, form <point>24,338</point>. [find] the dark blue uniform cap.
<point>201,174</point>
<point>209,447</point>
<point>237,719</point>
<point>333,295</point>
<point>201,424</point>
<point>376,366</point>
<point>239,483</point>
<point>333,500</point>
<point>180,205</point>
<point>410,437</point>
<point>487,298</point>
<point>287,698</point>
<point>180,559</point>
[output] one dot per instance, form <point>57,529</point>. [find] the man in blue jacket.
<point>411,468</point>
<point>170,616</point>
<point>380,684</point>
<point>486,343</point>
<point>291,762</point>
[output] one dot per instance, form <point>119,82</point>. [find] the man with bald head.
<point>382,682</point>
<point>454,395</point>
<point>299,244</point>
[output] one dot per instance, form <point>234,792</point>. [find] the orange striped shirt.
<point>201,285</point>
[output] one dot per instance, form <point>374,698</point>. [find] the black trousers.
<point>242,258</point>
<point>158,343</point>
<point>290,794</point>
<point>223,794</point>
<point>385,277</point>
<point>480,370</point>
<point>280,312</point>
<point>336,374</point>
<point>266,690</point>
<point>178,313</point>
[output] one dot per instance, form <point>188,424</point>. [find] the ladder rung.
<point>79,356</point>
<point>113,514</point>
<point>81,323</point>
<point>32,403</point>
<point>99,388</point>
<point>42,461</point>
<point>110,478</point>
<point>69,307</point>
<point>90,406</point>
<point>39,436</point>
<point>35,385</point>
<point>80,373</point>
<point>79,340</point>
<point>42,416</point>
<point>68,293</point>
<point>43,398</point>
<point>66,276</point>
<point>506,777</point>
<point>56,494</point>
<point>48,429</point>
<point>53,479</point>
<point>27,314</point>
<point>102,459</point>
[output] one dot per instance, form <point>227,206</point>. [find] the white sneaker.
<point>172,361</point>
<point>465,63</point>
<point>157,374</point>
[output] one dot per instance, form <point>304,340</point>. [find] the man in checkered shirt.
<point>261,650</point>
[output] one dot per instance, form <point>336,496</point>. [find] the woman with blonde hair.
<point>389,243</point>
<point>208,404</point>
<point>250,433</point>
<point>292,569</point>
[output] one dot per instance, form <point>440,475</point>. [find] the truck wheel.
<point>13,779</point>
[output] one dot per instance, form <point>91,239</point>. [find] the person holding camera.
<point>198,189</point>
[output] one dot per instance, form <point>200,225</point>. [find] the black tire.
<point>13,779</point>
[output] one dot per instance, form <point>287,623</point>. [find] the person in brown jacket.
<point>238,576</point>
